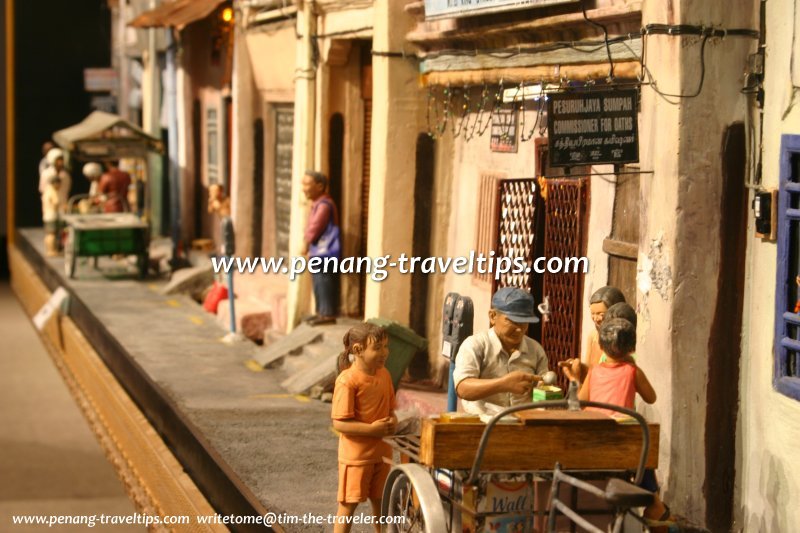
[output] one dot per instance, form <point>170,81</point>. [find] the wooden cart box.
<point>106,234</point>
<point>581,440</point>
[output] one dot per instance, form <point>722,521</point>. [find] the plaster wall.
<point>460,164</point>
<point>245,111</point>
<point>679,260</point>
<point>344,97</point>
<point>396,105</point>
<point>768,473</point>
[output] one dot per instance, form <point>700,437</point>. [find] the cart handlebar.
<point>476,465</point>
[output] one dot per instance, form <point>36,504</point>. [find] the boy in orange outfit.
<point>363,413</point>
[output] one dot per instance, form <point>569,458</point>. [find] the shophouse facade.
<point>768,427</point>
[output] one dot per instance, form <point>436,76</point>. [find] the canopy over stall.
<point>104,136</point>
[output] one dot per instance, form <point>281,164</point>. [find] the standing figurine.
<point>363,413</point>
<point>56,159</point>
<point>322,239</point>
<point>52,206</point>
<point>218,202</point>
<point>113,189</point>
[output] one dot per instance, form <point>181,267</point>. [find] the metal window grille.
<point>516,235</point>
<point>284,133</point>
<point>565,208</point>
<point>786,377</point>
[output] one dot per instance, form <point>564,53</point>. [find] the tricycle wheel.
<point>411,495</point>
<point>70,257</point>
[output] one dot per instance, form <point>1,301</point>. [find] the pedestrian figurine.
<point>218,201</point>
<point>363,413</point>
<point>52,207</point>
<point>44,163</point>
<point>322,240</point>
<point>56,159</point>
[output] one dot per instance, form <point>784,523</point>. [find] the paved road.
<point>281,446</point>
<point>50,462</point>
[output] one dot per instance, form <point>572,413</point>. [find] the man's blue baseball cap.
<point>518,305</point>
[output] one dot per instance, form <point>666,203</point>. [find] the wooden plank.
<point>519,447</point>
<point>617,248</point>
<point>630,50</point>
<point>617,13</point>
<point>322,370</point>
<point>302,335</point>
<point>624,70</point>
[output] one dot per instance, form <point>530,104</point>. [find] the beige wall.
<point>679,258</point>
<point>460,164</point>
<point>768,481</point>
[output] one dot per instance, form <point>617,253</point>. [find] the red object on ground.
<point>217,293</point>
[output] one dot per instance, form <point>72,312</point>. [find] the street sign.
<point>593,128</point>
<point>464,8</point>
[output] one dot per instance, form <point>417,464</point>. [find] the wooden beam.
<point>627,51</point>
<point>10,125</point>
<point>631,11</point>
<point>625,70</point>
<point>622,249</point>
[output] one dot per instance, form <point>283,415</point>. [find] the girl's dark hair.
<point>359,334</point>
<point>621,310</point>
<point>617,337</point>
<point>607,295</point>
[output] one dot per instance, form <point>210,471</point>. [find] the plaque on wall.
<point>592,128</point>
<point>504,129</point>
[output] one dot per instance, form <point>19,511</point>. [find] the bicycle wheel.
<point>410,495</point>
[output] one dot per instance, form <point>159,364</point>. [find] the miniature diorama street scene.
<point>401,265</point>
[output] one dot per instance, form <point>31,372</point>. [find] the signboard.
<point>49,308</point>
<point>503,137</point>
<point>593,128</point>
<point>100,80</point>
<point>465,8</point>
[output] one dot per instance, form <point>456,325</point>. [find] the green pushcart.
<point>106,234</point>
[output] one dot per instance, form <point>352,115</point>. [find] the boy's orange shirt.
<point>363,398</point>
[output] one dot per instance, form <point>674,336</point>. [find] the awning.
<point>177,13</point>
<point>104,136</point>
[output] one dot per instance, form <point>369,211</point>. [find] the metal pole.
<point>231,305</point>
<point>174,180</point>
<point>452,399</point>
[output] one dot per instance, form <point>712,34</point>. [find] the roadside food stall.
<point>511,472</point>
<point>106,137</point>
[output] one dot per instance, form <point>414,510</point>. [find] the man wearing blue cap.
<point>499,367</point>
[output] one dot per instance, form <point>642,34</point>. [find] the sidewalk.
<point>219,417</point>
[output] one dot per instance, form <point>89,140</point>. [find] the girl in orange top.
<point>363,413</point>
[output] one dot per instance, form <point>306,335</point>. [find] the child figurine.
<point>51,214</point>
<point>599,303</point>
<point>363,413</point>
<point>616,381</point>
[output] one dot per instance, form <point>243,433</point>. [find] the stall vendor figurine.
<point>499,367</point>
<point>52,207</point>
